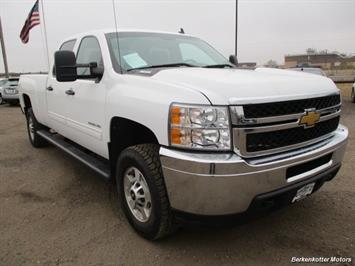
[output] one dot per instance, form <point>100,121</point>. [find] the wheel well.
<point>125,133</point>
<point>27,102</point>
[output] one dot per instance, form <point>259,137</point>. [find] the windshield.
<point>143,50</point>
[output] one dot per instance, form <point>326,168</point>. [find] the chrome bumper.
<point>12,97</point>
<point>220,184</point>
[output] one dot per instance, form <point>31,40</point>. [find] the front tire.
<point>1,99</point>
<point>32,127</point>
<point>142,192</point>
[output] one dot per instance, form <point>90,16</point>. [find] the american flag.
<point>31,21</point>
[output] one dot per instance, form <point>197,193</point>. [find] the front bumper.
<point>11,97</point>
<point>223,184</point>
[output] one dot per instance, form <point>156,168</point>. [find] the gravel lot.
<point>55,211</point>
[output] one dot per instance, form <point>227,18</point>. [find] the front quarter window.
<point>89,52</point>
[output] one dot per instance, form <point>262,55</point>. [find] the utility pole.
<point>236,29</point>
<point>3,50</point>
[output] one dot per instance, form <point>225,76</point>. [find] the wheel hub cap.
<point>137,194</point>
<point>31,127</point>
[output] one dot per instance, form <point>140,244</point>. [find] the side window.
<point>89,51</point>
<point>190,52</point>
<point>66,46</point>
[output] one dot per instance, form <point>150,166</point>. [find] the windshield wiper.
<point>219,66</point>
<point>164,65</point>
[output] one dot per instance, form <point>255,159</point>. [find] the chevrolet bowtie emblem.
<point>310,118</point>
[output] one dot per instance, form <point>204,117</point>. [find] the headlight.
<point>199,127</point>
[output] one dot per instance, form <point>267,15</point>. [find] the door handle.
<point>49,88</point>
<point>70,92</point>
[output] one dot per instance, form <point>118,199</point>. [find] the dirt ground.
<point>55,211</point>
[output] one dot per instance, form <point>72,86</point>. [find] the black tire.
<point>32,127</point>
<point>145,158</point>
<point>353,95</point>
<point>1,99</point>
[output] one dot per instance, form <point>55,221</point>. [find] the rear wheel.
<point>32,127</point>
<point>142,192</point>
<point>1,99</point>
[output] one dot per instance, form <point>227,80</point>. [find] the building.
<point>322,60</point>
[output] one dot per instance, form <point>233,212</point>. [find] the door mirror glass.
<point>65,66</point>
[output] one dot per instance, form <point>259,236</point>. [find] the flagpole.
<point>45,33</point>
<point>3,51</point>
<point>236,29</point>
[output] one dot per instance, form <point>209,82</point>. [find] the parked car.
<point>2,83</point>
<point>181,131</point>
<point>311,70</point>
<point>353,93</point>
<point>10,91</point>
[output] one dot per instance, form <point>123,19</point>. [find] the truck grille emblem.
<point>310,118</point>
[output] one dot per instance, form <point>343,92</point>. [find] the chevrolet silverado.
<point>180,129</point>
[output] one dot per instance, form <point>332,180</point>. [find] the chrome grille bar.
<point>245,126</point>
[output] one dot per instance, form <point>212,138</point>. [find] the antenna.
<point>117,38</point>
<point>181,31</point>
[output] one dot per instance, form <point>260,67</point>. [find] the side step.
<point>99,166</point>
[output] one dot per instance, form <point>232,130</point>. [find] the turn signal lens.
<point>175,136</point>
<point>175,115</point>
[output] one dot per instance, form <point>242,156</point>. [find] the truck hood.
<point>237,86</point>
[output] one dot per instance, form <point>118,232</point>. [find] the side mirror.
<point>233,59</point>
<point>97,71</point>
<point>65,66</point>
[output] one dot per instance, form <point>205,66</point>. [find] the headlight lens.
<point>200,127</point>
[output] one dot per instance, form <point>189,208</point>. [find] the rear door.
<point>56,96</point>
<point>86,107</point>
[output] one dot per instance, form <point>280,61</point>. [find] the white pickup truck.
<point>181,130</point>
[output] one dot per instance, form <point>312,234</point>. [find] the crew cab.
<point>181,130</point>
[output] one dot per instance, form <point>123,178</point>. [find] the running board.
<point>94,163</point>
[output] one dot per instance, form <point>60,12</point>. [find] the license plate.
<point>303,192</point>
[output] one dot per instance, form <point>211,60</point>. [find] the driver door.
<point>86,106</point>
<point>56,96</point>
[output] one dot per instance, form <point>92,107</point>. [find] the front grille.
<point>276,139</point>
<point>289,107</point>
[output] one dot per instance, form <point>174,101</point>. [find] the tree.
<point>272,63</point>
<point>311,51</point>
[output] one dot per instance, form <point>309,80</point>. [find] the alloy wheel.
<point>31,128</point>
<point>137,194</point>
